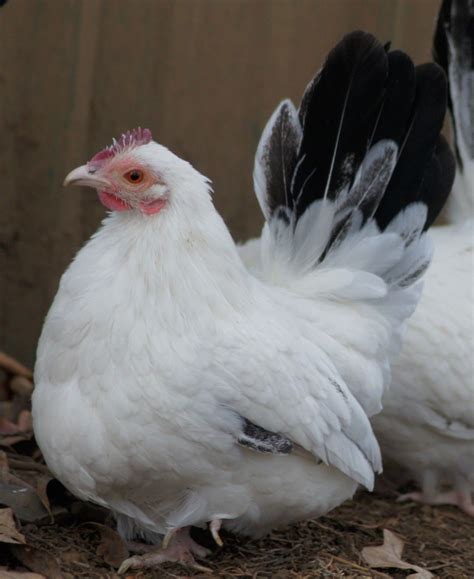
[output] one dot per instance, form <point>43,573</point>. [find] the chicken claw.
<point>460,499</point>
<point>214,527</point>
<point>180,548</point>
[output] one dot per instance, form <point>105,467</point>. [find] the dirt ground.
<point>440,540</point>
<point>45,532</point>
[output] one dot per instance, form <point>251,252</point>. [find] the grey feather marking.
<point>338,388</point>
<point>372,178</point>
<point>412,275</point>
<point>261,440</point>
<point>276,158</point>
<point>366,192</point>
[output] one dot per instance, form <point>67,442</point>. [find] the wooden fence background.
<point>204,75</point>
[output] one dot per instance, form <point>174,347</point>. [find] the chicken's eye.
<point>134,176</point>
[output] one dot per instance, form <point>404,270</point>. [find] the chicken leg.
<point>179,547</point>
<point>458,498</point>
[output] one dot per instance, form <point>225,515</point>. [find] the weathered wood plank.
<point>204,75</point>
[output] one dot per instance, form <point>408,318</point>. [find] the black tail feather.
<point>338,114</point>
<point>395,112</point>
<point>439,177</point>
<point>391,124</point>
<point>370,141</point>
<point>418,149</point>
<point>377,96</point>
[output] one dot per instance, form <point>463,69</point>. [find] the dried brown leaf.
<point>3,464</point>
<point>8,531</point>
<point>7,409</point>
<point>21,385</point>
<point>25,421</point>
<point>23,425</point>
<point>5,393</point>
<point>3,377</point>
<point>9,441</point>
<point>42,482</point>
<point>112,547</point>
<point>8,427</point>
<point>389,554</point>
<point>6,574</point>
<point>13,366</point>
<point>38,561</point>
<point>26,463</point>
<point>73,556</point>
<point>28,499</point>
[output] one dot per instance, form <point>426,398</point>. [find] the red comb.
<point>128,140</point>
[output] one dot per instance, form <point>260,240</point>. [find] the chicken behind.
<point>427,424</point>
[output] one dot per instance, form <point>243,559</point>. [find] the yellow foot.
<point>181,549</point>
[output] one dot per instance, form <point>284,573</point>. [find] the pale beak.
<point>82,176</point>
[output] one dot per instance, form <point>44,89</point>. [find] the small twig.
<point>356,566</point>
<point>27,465</point>
<point>81,564</point>
<point>13,366</point>
<point>436,567</point>
<point>325,527</point>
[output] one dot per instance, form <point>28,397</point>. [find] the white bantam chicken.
<point>427,424</point>
<point>176,388</point>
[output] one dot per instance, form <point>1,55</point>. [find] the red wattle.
<point>112,202</point>
<point>152,207</point>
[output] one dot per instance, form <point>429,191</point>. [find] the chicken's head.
<point>134,173</point>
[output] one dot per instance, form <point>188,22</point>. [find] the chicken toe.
<point>181,549</point>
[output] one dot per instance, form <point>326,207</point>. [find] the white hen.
<point>427,424</point>
<point>177,389</point>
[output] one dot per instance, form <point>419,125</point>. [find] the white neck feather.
<point>175,264</point>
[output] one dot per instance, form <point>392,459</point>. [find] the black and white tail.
<point>351,181</point>
<point>453,49</point>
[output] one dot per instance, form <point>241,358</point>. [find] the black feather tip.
<point>366,98</point>
<point>261,440</point>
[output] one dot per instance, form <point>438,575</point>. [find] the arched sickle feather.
<point>373,175</point>
<point>338,115</point>
<point>415,161</point>
<point>370,148</point>
<point>438,180</point>
<point>399,96</point>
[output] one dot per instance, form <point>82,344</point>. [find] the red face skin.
<point>122,181</point>
<point>127,185</point>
